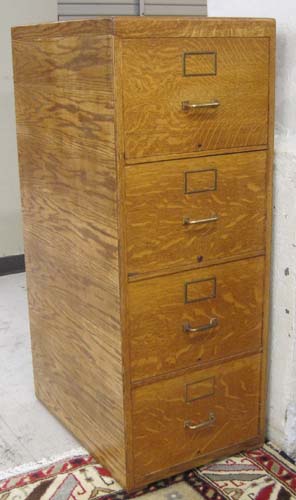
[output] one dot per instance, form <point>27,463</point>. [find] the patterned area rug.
<point>261,474</point>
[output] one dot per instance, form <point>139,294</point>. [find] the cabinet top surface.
<point>142,27</point>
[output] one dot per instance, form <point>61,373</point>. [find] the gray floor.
<point>28,433</point>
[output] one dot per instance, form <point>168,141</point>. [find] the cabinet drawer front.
<point>170,427</point>
<point>227,75</point>
<point>162,199</point>
<point>225,311</point>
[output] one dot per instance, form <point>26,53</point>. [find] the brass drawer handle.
<point>189,329</point>
<point>187,105</point>
<point>187,221</point>
<point>193,427</point>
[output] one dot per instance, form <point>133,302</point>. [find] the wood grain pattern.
<point>268,234</point>
<point>65,124</point>
<point>146,27</point>
<point>191,27</point>
<point>123,275</point>
<point>104,196</point>
<point>157,305</point>
<point>47,31</point>
<point>154,88</point>
<point>160,411</point>
<point>156,205</point>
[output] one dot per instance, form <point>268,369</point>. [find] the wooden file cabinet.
<point>145,151</point>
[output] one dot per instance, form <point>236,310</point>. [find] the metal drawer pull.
<point>187,221</point>
<point>193,427</point>
<point>187,105</point>
<point>189,329</point>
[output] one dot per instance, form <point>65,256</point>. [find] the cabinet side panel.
<point>65,125</point>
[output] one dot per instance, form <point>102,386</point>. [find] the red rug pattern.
<point>262,474</point>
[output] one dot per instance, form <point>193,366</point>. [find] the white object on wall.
<point>282,375</point>
<point>13,12</point>
<point>78,9</point>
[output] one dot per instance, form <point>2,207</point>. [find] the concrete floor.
<point>28,432</point>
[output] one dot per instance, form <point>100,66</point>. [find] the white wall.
<point>282,379</point>
<point>13,12</point>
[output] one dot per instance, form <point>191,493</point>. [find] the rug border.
<point>193,477</point>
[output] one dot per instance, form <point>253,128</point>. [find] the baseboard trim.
<point>12,264</point>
